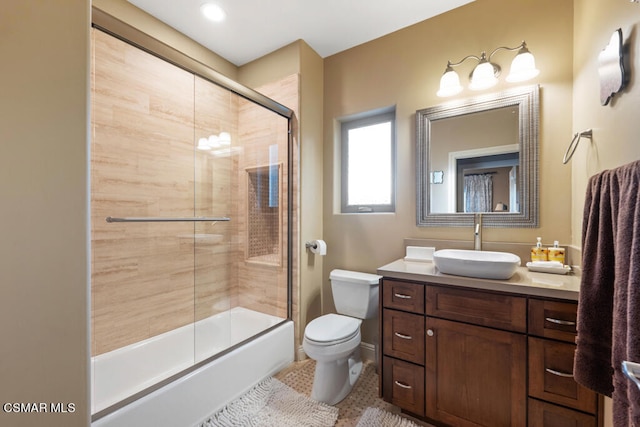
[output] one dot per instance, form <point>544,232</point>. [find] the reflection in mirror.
<point>479,155</point>
<point>480,158</point>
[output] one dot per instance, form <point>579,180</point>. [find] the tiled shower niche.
<point>264,216</point>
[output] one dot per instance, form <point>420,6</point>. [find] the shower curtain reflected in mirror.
<point>478,193</point>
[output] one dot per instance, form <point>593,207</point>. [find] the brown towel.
<point>592,365</point>
<point>609,302</point>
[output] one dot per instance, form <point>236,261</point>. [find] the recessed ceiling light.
<point>213,12</point>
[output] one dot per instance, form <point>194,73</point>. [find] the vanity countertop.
<point>522,282</point>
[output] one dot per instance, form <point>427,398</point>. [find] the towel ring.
<point>574,144</point>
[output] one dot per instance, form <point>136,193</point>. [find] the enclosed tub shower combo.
<point>191,233</point>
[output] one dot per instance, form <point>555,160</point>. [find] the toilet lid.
<point>331,328</point>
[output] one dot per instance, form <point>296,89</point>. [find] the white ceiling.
<point>254,28</point>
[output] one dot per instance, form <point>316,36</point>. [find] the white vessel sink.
<point>480,264</point>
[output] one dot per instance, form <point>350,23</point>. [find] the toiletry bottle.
<point>538,253</point>
<point>556,253</point>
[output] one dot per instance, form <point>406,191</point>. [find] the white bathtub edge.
<point>192,398</point>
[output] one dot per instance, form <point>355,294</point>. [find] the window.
<point>368,164</point>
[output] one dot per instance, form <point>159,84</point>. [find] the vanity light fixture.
<point>485,74</point>
<point>214,141</point>
<point>203,144</point>
<point>224,138</point>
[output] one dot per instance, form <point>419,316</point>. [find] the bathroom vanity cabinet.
<point>459,356</point>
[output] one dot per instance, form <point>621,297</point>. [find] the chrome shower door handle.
<point>632,371</point>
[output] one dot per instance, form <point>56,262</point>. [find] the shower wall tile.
<point>263,285</point>
<point>216,111</point>
<point>142,157</point>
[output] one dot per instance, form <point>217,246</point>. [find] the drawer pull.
<point>403,296</point>
<point>560,322</point>
<point>558,373</point>
<point>399,384</point>
<point>404,337</point>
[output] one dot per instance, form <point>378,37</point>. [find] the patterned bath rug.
<point>375,417</point>
<point>273,404</point>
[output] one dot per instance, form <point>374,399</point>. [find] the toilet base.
<point>334,380</point>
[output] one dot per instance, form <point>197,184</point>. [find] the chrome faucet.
<point>477,234</point>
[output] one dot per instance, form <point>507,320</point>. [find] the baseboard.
<point>300,354</point>
<point>368,351</point>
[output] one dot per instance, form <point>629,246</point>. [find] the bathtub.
<point>190,398</point>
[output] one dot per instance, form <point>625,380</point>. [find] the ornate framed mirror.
<point>479,155</point>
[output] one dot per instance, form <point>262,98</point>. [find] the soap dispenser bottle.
<point>556,253</point>
<point>538,253</point>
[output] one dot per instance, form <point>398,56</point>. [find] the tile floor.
<point>299,376</point>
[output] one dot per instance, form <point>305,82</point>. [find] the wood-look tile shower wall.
<point>262,284</point>
<point>149,278</point>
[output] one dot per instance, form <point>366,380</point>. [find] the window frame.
<point>369,119</point>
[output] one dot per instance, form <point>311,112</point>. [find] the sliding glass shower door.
<point>189,185</point>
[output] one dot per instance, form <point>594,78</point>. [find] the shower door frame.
<point>131,35</point>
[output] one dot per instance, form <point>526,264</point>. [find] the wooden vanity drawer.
<point>551,375</point>
<point>543,414</point>
<point>553,319</point>
<point>404,385</point>
<point>403,335</point>
<point>480,308</point>
<point>403,296</point>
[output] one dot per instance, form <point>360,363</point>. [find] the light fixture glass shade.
<point>449,83</point>
<point>523,67</point>
<point>203,144</point>
<point>213,141</point>
<point>483,76</point>
<point>224,138</point>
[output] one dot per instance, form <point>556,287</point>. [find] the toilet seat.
<point>332,329</point>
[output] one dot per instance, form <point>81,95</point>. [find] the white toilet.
<point>333,340</point>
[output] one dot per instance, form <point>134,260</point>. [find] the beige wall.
<point>404,69</point>
<point>43,220</point>
<point>311,183</point>
<point>615,126</point>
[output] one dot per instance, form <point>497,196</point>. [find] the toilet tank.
<point>355,294</point>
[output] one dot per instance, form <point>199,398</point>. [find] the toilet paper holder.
<point>318,247</point>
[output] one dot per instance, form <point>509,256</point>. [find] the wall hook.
<point>574,144</point>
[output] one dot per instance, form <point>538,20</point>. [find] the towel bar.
<point>160,219</point>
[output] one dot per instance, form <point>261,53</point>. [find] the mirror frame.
<point>527,100</point>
